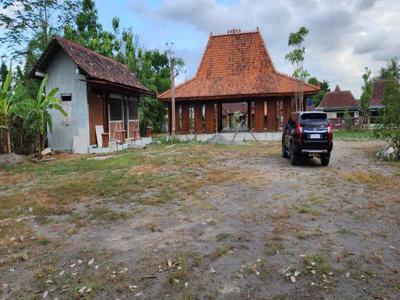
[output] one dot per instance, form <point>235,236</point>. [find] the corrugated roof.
<point>237,64</point>
<point>93,64</point>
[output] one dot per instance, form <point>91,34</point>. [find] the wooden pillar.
<point>249,115</point>
<point>287,109</point>
<point>259,116</point>
<point>272,115</point>
<point>210,124</point>
<point>185,118</point>
<point>177,119</point>
<point>220,126</point>
<point>198,118</point>
<point>169,118</point>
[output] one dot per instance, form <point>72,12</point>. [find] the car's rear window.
<point>313,118</point>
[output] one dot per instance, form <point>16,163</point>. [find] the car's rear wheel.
<point>294,157</point>
<point>284,150</point>
<point>325,159</point>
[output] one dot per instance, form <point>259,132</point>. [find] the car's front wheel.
<point>325,159</point>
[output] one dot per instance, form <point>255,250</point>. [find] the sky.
<point>345,35</point>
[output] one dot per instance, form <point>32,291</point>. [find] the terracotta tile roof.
<point>237,65</point>
<point>93,64</point>
<point>377,92</point>
<point>338,99</point>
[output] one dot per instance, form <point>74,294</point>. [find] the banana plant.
<point>6,107</point>
<point>38,114</point>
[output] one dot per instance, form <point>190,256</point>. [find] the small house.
<point>99,95</point>
<point>336,103</point>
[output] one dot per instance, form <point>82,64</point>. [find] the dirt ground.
<point>202,222</point>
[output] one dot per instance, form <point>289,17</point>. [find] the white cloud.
<point>345,35</point>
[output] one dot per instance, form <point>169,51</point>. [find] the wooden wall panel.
<point>96,113</point>
<point>287,109</point>
<point>210,118</point>
<point>185,118</point>
<point>272,115</point>
<point>259,116</point>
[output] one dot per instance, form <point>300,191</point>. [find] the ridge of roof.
<point>64,40</point>
<point>235,31</point>
<point>94,64</point>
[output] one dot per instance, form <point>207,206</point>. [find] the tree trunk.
<point>8,140</point>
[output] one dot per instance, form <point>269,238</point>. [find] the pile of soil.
<point>11,159</point>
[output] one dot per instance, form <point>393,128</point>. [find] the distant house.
<point>336,103</point>
<point>95,91</point>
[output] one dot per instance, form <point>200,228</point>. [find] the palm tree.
<point>38,115</point>
<point>6,107</point>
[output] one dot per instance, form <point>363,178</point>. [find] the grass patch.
<point>372,179</point>
<point>354,134</point>
<point>106,215</point>
<point>220,251</point>
<point>307,209</point>
<point>318,263</point>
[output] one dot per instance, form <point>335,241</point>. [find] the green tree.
<point>296,57</point>
<point>366,96</point>
<point>27,19</point>
<point>3,71</point>
<point>389,119</point>
<point>38,116</point>
<point>324,88</point>
<point>392,70</point>
<point>347,120</point>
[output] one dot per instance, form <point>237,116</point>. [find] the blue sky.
<point>345,35</point>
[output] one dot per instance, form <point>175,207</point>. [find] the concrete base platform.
<point>240,137</point>
<point>113,147</point>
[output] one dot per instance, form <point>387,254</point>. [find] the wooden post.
<point>177,119</point>
<point>210,122</point>
<point>172,77</point>
<point>272,115</point>
<point>185,118</point>
<point>249,115</point>
<point>259,116</point>
<point>219,111</point>
<point>169,118</point>
<point>198,118</point>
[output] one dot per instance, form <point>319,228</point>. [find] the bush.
<point>388,127</point>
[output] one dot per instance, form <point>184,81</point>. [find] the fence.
<point>340,123</point>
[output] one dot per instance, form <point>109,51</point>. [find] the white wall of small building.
<point>62,74</point>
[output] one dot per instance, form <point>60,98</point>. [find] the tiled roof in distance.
<point>338,99</point>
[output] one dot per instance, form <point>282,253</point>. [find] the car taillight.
<point>299,132</point>
<point>330,133</point>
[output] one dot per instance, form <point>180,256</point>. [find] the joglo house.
<point>235,70</point>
